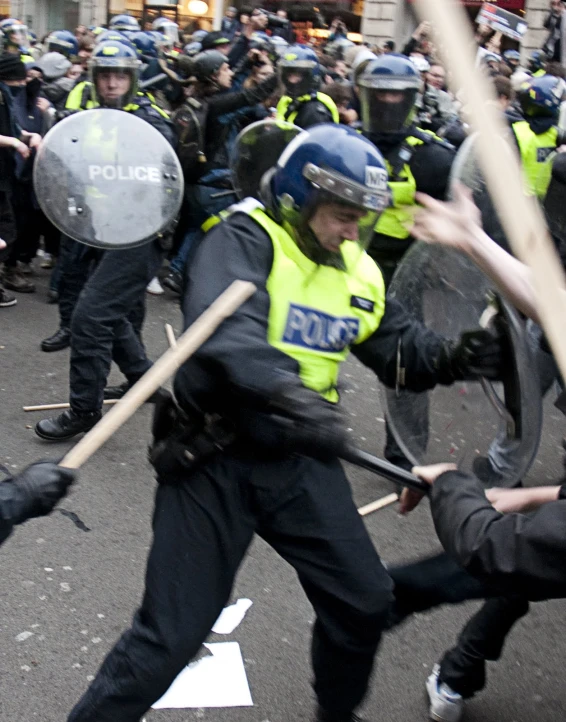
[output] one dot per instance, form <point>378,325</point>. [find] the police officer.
<point>63,42</point>
<point>266,459</point>
<point>14,39</point>
<point>302,103</point>
<point>123,23</point>
<point>33,492</point>
<point>538,135</point>
<point>106,320</point>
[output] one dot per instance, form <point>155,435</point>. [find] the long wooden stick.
<point>521,217</point>
<point>225,305</point>
<point>54,407</point>
<point>379,504</point>
<point>171,339</point>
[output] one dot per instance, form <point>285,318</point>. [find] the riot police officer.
<point>63,42</point>
<point>538,135</point>
<point>254,446</point>
<point>104,322</point>
<point>14,39</point>
<point>123,23</point>
<point>302,103</point>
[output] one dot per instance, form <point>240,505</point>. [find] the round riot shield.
<point>108,179</point>
<point>444,289</point>
<point>256,150</point>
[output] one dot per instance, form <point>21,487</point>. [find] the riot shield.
<point>108,179</point>
<point>444,289</point>
<point>256,150</point>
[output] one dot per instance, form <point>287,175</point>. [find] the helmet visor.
<point>298,79</point>
<point>114,80</point>
<point>171,32</point>
<point>387,110</point>
<point>18,35</point>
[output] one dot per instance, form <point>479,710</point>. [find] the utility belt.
<point>181,441</point>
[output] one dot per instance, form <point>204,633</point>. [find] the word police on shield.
<point>108,179</point>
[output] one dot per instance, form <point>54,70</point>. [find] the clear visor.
<point>381,82</point>
<point>386,110</point>
<point>373,197</point>
<point>18,35</point>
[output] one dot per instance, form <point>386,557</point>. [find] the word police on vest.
<point>313,329</point>
<point>147,174</point>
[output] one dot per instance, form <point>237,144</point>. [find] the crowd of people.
<point>303,165</point>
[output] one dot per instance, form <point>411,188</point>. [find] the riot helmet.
<point>14,34</point>
<point>300,71</point>
<point>541,97</point>
<point>257,148</point>
<point>512,58</point>
<point>216,41</point>
<point>124,22</point>
<point>114,70</point>
<point>537,61</point>
<point>192,49</point>
<point>63,42</point>
<point>168,28</point>
<point>388,88</point>
<point>280,45</point>
<point>144,44</point>
<point>328,164</point>
<point>114,36</point>
<point>198,36</point>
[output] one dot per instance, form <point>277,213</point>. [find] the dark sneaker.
<point>26,269</point>
<point>116,392</point>
<point>174,282</point>
<point>5,299</point>
<point>61,339</point>
<point>15,281</point>
<point>66,425</point>
<point>489,476</point>
<point>52,296</point>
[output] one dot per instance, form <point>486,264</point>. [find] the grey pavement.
<point>67,594</point>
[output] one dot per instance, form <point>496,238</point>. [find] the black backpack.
<point>190,123</point>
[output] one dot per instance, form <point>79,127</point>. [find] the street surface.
<point>66,594</point>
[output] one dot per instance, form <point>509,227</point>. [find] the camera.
<point>274,21</point>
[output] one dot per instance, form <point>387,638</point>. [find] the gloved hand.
<point>35,491</point>
<point>310,425</point>
<point>477,353</point>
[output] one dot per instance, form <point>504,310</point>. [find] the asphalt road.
<point>66,594</point>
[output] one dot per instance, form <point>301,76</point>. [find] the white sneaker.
<point>445,704</point>
<point>154,287</point>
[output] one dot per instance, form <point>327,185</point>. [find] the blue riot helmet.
<point>114,59</point>
<point>192,49</point>
<point>144,44</point>
<point>541,97</point>
<point>387,89</point>
<point>14,34</point>
<point>280,45</point>
<point>114,36</point>
<point>168,28</point>
<point>537,61</point>
<point>198,36</point>
<point>327,164</point>
<point>512,58</point>
<point>124,22</point>
<point>300,71</point>
<point>63,42</point>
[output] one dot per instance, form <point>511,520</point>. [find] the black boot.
<point>61,339</point>
<point>116,392</point>
<point>323,716</point>
<point>66,425</point>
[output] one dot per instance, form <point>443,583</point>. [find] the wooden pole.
<point>521,216</point>
<point>54,407</point>
<point>379,504</point>
<point>171,339</point>
<point>225,305</point>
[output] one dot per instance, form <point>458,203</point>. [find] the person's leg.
<point>202,527</point>
<point>99,326</point>
<point>315,526</point>
<point>463,667</point>
<point>13,278</point>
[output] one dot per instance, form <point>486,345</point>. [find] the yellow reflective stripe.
<point>536,156</point>
<point>286,100</point>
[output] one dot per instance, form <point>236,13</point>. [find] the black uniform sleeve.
<point>238,50</point>
<point>159,122</point>
<point>313,113</point>
<point>402,351</point>
<point>431,164</point>
<point>519,553</point>
<point>238,358</point>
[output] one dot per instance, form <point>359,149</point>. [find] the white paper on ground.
<point>231,617</point>
<point>217,681</point>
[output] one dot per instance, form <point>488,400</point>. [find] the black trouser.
<point>439,580</point>
<point>202,528</point>
<point>101,327</point>
<point>75,264</point>
<point>7,224</point>
<point>28,224</point>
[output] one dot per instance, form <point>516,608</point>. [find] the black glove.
<point>35,491</point>
<point>309,424</point>
<point>477,353</point>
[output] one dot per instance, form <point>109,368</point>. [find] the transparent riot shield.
<point>108,179</point>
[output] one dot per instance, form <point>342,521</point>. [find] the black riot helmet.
<point>207,64</point>
<point>388,88</point>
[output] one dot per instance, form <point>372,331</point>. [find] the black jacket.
<point>518,553</point>
<point>312,112</point>
<point>238,365</point>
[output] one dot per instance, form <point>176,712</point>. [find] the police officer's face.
<point>333,224</point>
<point>112,86</point>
